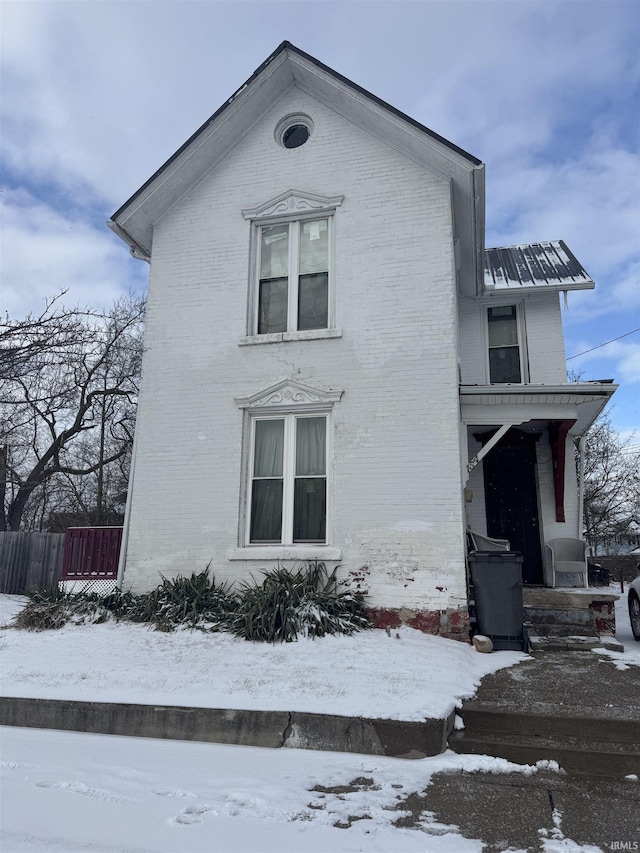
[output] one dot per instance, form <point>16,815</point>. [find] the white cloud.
<point>96,96</point>
<point>44,252</point>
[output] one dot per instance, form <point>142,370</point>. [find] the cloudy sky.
<point>97,95</point>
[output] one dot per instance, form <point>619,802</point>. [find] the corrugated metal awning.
<point>534,267</point>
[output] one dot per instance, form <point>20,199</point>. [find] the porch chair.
<point>479,542</point>
<point>566,563</point>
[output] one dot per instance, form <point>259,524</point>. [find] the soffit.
<point>584,400</point>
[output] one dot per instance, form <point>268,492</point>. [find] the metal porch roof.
<point>533,268</point>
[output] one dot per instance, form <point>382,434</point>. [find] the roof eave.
<point>497,290</point>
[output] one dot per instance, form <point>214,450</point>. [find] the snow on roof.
<point>536,266</point>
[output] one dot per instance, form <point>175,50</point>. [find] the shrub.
<point>303,601</point>
<point>194,602</point>
<point>52,608</point>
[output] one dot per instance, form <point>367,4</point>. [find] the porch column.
<point>558,431</point>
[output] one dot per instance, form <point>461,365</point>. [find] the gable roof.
<point>289,66</point>
<point>535,267</point>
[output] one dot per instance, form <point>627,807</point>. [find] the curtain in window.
<point>310,446</point>
<point>274,251</point>
<point>310,498</point>
<point>274,281</point>
<point>266,496</point>
<point>313,281</point>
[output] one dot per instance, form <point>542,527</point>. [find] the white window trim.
<point>522,339</point>
<point>286,397</point>
<point>283,337</point>
<point>288,475</point>
<point>290,207</point>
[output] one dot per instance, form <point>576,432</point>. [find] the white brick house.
<point>324,352</point>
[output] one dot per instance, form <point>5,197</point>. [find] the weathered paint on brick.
<point>397,505</point>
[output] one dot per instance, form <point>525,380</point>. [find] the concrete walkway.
<point>574,708</point>
<point>517,812</point>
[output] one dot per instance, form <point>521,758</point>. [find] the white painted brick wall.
<point>397,502</point>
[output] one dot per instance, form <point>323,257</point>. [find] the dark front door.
<point>512,501</point>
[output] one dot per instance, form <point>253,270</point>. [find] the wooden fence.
<point>91,553</point>
<point>29,560</point>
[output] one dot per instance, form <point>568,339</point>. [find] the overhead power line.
<point>626,334</point>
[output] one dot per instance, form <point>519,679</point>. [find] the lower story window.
<point>288,502</point>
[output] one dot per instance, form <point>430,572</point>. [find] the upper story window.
<point>293,285</point>
<point>506,356</point>
<point>292,288</point>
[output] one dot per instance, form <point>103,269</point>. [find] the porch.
<point>521,484</point>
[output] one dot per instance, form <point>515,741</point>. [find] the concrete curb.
<point>274,729</point>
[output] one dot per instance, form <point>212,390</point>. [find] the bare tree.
<point>611,489</point>
<point>68,392</point>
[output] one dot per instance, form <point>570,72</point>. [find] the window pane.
<point>504,364</point>
<point>314,246</point>
<point>313,301</point>
<point>274,251</point>
<point>269,444</point>
<point>503,330</point>
<point>309,509</point>
<point>272,306</point>
<point>266,511</point>
<point>310,446</point>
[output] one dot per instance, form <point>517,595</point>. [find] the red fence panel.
<point>91,553</point>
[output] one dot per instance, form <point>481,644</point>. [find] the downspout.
<point>127,514</point>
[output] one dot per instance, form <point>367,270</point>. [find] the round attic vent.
<point>293,131</point>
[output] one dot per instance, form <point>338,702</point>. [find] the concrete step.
<point>572,643</point>
<point>580,756</point>
<point>580,744</point>
<point>548,723</point>
<point>547,620</point>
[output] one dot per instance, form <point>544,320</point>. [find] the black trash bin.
<point>496,578</point>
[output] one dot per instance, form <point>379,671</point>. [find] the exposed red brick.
<point>381,618</point>
<point>427,621</point>
<point>458,619</point>
<point>605,616</point>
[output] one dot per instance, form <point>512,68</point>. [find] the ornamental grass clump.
<point>52,608</point>
<point>190,602</point>
<point>303,601</point>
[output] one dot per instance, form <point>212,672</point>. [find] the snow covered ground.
<point>63,792</point>
<point>406,675</point>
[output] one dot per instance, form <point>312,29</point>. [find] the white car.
<point>634,607</point>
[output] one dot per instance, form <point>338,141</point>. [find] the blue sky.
<point>97,95</point>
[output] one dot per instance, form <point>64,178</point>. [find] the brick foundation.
<point>452,624</point>
<point>604,617</point>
